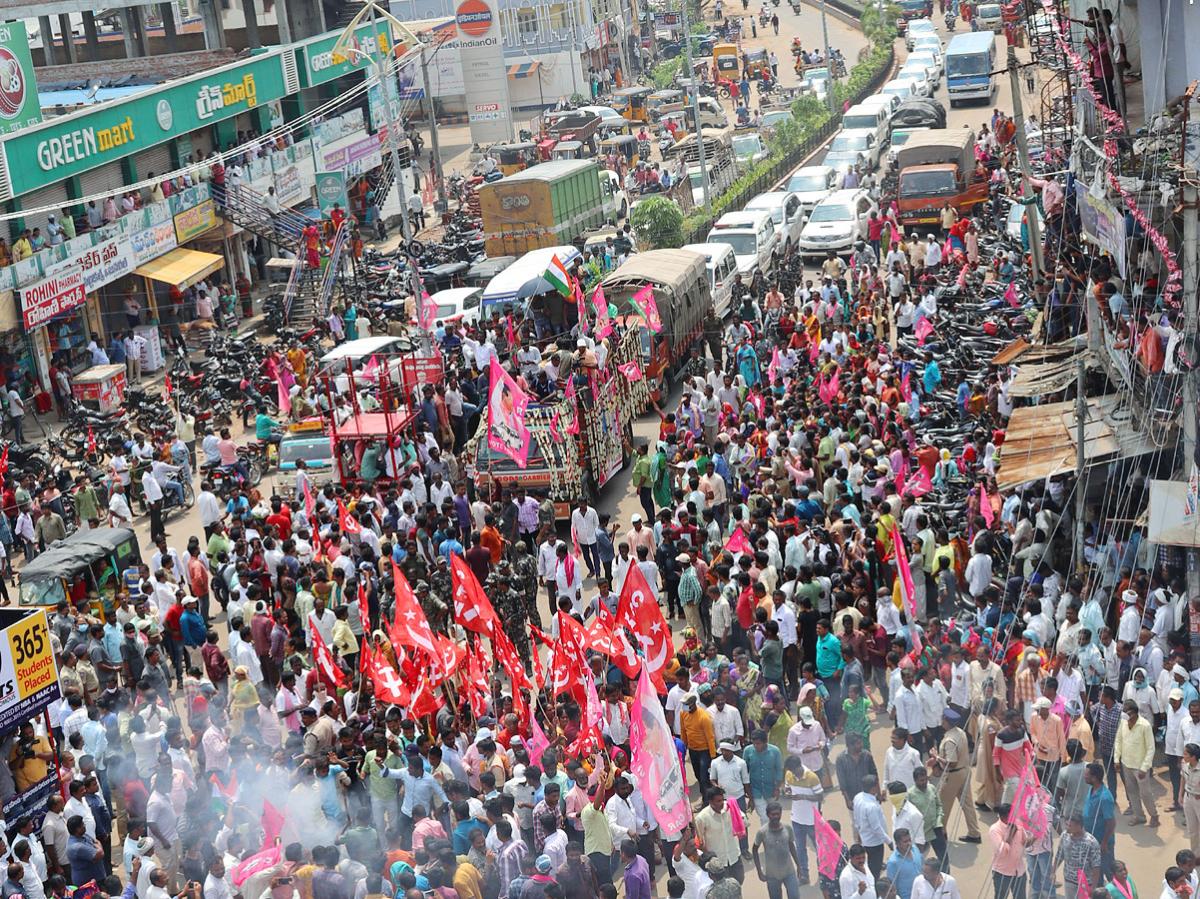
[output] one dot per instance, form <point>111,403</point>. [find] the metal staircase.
<point>247,209</point>
<point>309,291</point>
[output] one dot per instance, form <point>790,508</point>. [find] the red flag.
<point>603,637</point>
<point>310,508</point>
<point>448,657</point>
<point>410,627</point>
<point>91,447</point>
<point>475,683</point>
<point>364,610</point>
<point>738,542</point>
<point>638,610</point>
<point>348,523</point>
<point>324,660</point>
<point>366,660</point>
<point>506,654</point>
<point>567,666</point>
<point>389,686</point>
<point>472,609</point>
<point>168,387</point>
<point>425,701</point>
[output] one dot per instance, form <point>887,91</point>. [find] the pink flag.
<point>570,394</point>
<point>920,484</point>
<point>268,855</point>
<point>773,368</point>
<point>592,713</point>
<point>654,759</point>
<point>829,389</point>
<point>580,306</point>
<point>538,742</point>
<point>906,387</point>
<point>917,646</point>
<point>643,300</point>
<point>1084,891</point>
<point>371,369</point>
<point>814,352</point>
<point>509,330</point>
<point>962,277</point>
<point>922,329</point>
<point>908,590</point>
<point>554,432</point>
<point>285,401</point>
<point>829,846</point>
<point>631,370</point>
<point>738,542</point>
<point>427,311</point>
<point>1010,295</point>
<point>1029,804</point>
<point>985,505</point>
<point>603,322</point>
<point>506,432</point>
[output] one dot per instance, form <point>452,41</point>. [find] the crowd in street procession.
<point>423,682</point>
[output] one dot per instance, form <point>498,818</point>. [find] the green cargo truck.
<point>548,205</point>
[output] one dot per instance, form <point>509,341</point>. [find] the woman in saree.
<point>660,477</point>
<point>749,683</point>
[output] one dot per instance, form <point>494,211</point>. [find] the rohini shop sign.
<point>68,145</point>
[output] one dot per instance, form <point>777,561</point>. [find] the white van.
<point>753,238</point>
<point>786,212</point>
<point>862,117</point>
<point>722,266</point>
<point>837,222</point>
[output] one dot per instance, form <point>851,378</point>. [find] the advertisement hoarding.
<point>52,296</point>
<point>485,84</point>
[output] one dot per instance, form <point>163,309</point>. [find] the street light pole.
<point>382,74</point>
<point>828,61</point>
<point>433,133</point>
<point>691,74</point>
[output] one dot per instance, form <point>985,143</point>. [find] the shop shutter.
<point>156,159</point>
<point>54,196</point>
<point>103,181</point>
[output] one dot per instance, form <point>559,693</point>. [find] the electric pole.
<point>695,92</point>
<point>433,134</point>
<point>1080,459</point>
<point>1031,212</point>
<point>828,61</point>
<point>1191,331</point>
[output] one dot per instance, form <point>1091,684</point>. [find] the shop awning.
<point>1042,378</point>
<point>523,69</point>
<point>1040,440</point>
<point>181,267</point>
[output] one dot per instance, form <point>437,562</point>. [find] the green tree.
<point>663,74</point>
<point>657,224</point>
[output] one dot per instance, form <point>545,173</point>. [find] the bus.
<point>970,64</point>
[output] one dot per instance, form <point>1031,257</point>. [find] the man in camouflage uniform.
<point>413,565</point>
<point>434,608</point>
<point>441,588</point>
<point>512,609</point>
<point>525,578</point>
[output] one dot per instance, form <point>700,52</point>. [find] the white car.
<point>787,212</point>
<point>916,28</point>
<point>901,88</point>
<point>920,75</point>
<point>457,304</point>
<point>850,148</point>
<point>837,222</point>
<point>609,117</point>
<point>928,42</point>
<point>812,184</point>
<point>748,149</point>
<point>930,62</point>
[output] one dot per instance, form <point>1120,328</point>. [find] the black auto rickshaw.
<point>756,63</point>
<point>516,157</point>
<point>87,568</point>
<point>631,103</point>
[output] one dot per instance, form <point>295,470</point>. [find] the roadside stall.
<point>181,268</point>
<point>101,388</point>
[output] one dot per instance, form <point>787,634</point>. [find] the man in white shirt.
<point>856,880</point>
<point>933,884</point>
<point>906,708</point>
<point>901,759</point>
<point>585,524</point>
<point>726,721</point>
<point>119,513</point>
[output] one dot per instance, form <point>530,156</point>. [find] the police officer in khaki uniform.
<point>952,762</point>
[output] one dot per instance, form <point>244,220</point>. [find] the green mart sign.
<point>318,63</point>
<point>66,146</point>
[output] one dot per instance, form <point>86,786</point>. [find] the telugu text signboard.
<point>319,62</point>
<point>191,223</point>
<point>19,106</point>
<point>52,296</point>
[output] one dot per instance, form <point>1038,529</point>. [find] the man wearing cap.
<point>952,761</point>
<point>696,731</point>
<point>1049,741</point>
<point>729,772</point>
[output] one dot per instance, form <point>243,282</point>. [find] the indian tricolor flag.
<point>557,275</point>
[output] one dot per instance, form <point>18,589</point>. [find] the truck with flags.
<point>570,445</point>
<point>663,296</point>
<point>551,204</point>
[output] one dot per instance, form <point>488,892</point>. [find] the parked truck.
<point>937,167</point>
<point>549,205</point>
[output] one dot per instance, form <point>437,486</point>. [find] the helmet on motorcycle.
<point>991,329</point>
